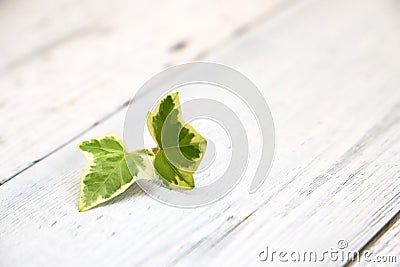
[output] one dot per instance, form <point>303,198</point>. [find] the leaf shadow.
<point>134,191</point>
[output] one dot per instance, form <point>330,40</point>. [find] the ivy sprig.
<point>110,170</point>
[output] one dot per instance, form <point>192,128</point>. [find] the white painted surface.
<point>385,249</point>
<point>329,70</point>
<point>66,64</point>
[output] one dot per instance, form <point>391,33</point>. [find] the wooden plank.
<point>319,201</point>
<point>66,64</point>
<point>332,85</point>
<point>384,248</point>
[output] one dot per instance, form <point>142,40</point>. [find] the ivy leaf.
<point>106,173</point>
<point>181,147</point>
<point>110,170</point>
<point>173,176</point>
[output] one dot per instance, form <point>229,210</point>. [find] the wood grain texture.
<point>66,64</point>
<point>329,71</point>
<point>384,248</point>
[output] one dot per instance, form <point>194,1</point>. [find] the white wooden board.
<point>329,70</point>
<point>66,64</point>
<point>386,244</point>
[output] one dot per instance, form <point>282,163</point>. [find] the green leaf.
<point>181,147</point>
<point>174,177</point>
<point>156,119</point>
<point>106,173</point>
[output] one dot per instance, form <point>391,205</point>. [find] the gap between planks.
<point>379,234</point>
